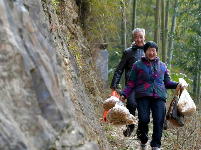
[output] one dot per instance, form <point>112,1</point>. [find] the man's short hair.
<point>136,30</point>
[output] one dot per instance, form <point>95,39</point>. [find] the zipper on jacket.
<point>139,54</point>
<point>154,90</point>
<point>152,65</point>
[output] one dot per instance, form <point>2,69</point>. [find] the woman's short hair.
<point>150,44</point>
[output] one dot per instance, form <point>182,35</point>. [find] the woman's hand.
<point>181,87</point>
<point>122,98</point>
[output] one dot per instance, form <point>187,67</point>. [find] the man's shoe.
<point>138,134</point>
<point>128,131</point>
<point>155,148</point>
<point>143,146</point>
<point>165,124</point>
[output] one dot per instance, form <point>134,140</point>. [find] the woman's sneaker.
<point>143,146</point>
<point>155,148</point>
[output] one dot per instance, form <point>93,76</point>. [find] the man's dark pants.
<point>131,105</point>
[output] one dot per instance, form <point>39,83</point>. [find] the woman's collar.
<point>147,61</point>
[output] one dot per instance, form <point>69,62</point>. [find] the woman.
<point>149,79</point>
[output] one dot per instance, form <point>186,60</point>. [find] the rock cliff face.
<point>49,95</point>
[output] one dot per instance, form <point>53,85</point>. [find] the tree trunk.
<point>166,25</point>
<point>157,24</point>
<point>194,85</point>
<point>170,51</point>
<point>198,77</point>
<point>196,81</point>
<point>123,38</point>
<point>198,91</point>
<point>164,49</point>
<point>196,88</point>
<point>134,17</point>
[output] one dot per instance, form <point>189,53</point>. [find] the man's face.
<point>139,38</point>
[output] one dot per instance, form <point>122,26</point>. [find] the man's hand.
<point>113,88</point>
<point>122,98</point>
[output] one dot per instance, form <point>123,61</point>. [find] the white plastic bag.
<point>110,102</point>
<point>183,82</point>
<point>186,106</point>
<point>120,115</point>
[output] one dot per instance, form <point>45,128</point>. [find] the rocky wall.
<point>48,96</point>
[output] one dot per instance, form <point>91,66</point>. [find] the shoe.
<point>138,134</point>
<point>128,131</point>
<point>155,148</point>
<point>143,146</point>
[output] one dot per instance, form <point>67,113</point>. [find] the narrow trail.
<point>120,142</point>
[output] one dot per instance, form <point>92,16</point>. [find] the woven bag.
<point>173,114</point>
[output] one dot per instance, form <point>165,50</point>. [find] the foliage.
<point>75,52</point>
<point>103,23</point>
<point>145,20</point>
<point>54,3</point>
<point>145,17</point>
<point>114,57</point>
<point>186,137</point>
<point>186,55</point>
<point>188,47</point>
<point>186,59</point>
<point>100,20</point>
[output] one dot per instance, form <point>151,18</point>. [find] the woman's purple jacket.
<point>149,79</point>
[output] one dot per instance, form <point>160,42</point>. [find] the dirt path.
<point>120,142</point>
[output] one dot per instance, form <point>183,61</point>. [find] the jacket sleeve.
<point>169,84</point>
<point>119,71</point>
<point>130,85</point>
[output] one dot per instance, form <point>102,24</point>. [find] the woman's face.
<point>151,53</point>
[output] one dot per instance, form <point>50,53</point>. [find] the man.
<point>129,57</point>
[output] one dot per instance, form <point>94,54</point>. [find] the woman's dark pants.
<point>157,106</point>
